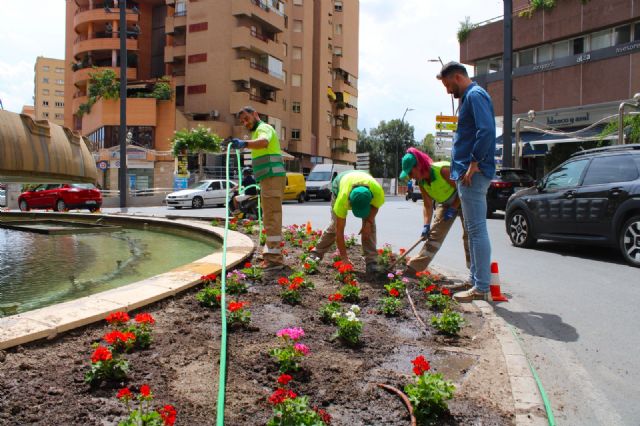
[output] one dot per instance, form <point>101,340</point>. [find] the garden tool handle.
<point>406,252</point>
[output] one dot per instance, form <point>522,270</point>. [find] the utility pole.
<point>122,134</point>
<point>398,146</point>
<point>507,67</point>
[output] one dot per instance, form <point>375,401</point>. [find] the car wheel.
<point>197,202</point>
<point>306,197</point>
<point>301,198</point>
<point>61,206</point>
<point>24,207</point>
<point>414,199</point>
<point>630,241</point>
<point>519,229</point>
<point>94,209</point>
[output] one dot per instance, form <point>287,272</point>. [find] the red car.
<point>61,197</point>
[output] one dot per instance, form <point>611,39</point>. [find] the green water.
<point>39,270</point>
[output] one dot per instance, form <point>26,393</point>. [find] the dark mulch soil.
<point>42,383</point>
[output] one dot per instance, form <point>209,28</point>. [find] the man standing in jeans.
<point>472,167</point>
<point>268,166</point>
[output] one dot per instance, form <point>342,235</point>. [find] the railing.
<point>259,36</point>
<point>258,98</point>
<point>180,13</point>
<point>259,67</point>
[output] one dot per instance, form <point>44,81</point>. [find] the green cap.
<point>360,199</point>
<point>408,162</point>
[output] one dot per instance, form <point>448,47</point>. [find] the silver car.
<point>3,198</point>
<point>201,194</point>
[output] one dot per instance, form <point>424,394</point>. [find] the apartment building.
<point>572,64</point>
<point>295,61</point>
<point>49,89</point>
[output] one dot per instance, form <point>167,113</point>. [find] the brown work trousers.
<point>437,234</point>
<point>271,193</point>
<point>328,238</point>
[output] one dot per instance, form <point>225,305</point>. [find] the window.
<point>560,50</point>
<point>181,8</point>
<point>338,29</point>
<point>295,134</point>
<point>45,103</point>
<point>295,107</point>
<point>297,26</point>
<point>45,114</point>
<point>285,48</point>
<point>297,2</point>
<point>60,70</point>
<point>296,80</point>
<point>495,65</point>
<point>567,175</point>
<point>337,6</point>
<point>214,186</point>
<point>45,80</point>
<point>337,51</point>
<point>544,53</point>
<point>609,169</point>
<point>45,91</point>
<point>59,104</point>
<point>296,52</point>
<point>578,46</point>
<point>61,82</point>
<point>59,93</point>
<point>622,34</point>
<point>525,57</point>
<point>59,116</point>
<point>600,40</point>
<point>482,67</point>
<point>636,32</point>
<point>45,68</point>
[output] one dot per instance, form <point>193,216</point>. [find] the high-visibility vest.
<point>267,162</point>
<point>439,188</point>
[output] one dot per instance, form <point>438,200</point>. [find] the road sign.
<point>444,135</point>
<point>447,126</point>
<point>447,118</point>
<point>103,165</point>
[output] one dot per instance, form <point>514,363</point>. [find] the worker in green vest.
<point>435,185</point>
<point>268,167</point>
<point>359,192</point>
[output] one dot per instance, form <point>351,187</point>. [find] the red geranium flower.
<point>113,337</point>
<point>124,393</point>
<point>145,390</point>
<point>145,318</point>
<point>380,251</point>
<point>284,379</point>
<point>401,251</point>
<point>337,264</point>
<point>117,318</point>
<point>101,354</point>
<point>236,306</point>
<point>324,416</point>
<point>280,395</point>
<point>394,292</point>
<point>420,365</point>
<point>298,280</point>
<point>446,292</point>
<point>281,243</point>
<point>283,281</point>
<point>306,266</point>
<point>430,288</point>
<point>335,297</point>
<point>294,286</point>
<point>168,414</point>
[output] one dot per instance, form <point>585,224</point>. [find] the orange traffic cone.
<point>494,286</point>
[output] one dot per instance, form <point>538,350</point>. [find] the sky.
<point>397,38</point>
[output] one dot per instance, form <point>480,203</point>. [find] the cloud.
<point>16,85</point>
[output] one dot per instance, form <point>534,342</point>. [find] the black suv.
<point>594,197</point>
<point>505,183</point>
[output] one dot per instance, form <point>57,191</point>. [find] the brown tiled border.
<point>49,321</point>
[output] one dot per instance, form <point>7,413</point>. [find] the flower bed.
<point>333,368</point>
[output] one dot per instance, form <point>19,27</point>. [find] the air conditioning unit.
<point>214,114</point>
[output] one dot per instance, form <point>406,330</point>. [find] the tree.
<point>386,145</point>
<point>198,140</point>
<point>429,145</point>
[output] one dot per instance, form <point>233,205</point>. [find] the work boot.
<point>472,294</point>
<point>374,269</point>
<point>461,286</point>
<point>268,266</point>
<point>313,255</point>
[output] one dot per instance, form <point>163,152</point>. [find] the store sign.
<point>182,166</point>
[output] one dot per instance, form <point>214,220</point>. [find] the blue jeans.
<point>474,210</point>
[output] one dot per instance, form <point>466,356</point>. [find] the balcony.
<point>244,69</point>
<point>299,146</point>
<point>259,10</point>
<point>93,44</point>
<point>80,77</point>
<point>84,16</point>
<point>340,133</point>
<point>339,85</point>
<point>263,106</point>
<point>347,157</point>
<point>140,112</point>
<point>173,22</point>
<point>77,101</point>
<point>173,52</point>
<point>248,39</point>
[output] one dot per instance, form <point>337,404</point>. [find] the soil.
<point>42,382</point>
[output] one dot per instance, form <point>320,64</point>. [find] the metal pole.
<point>122,172</point>
<point>508,86</point>
<point>398,148</point>
<point>517,159</point>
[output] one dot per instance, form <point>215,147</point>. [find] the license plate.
<point>91,202</point>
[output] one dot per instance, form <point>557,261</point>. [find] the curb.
<point>529,407</point>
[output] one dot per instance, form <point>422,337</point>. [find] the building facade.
<point>572,64</point>
<point>49,85</point>
<point>295,61</point>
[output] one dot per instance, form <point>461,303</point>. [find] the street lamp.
<point>398,148</point>
<point>453,109</point>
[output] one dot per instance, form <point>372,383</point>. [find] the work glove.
<point>425,231</point>
<point>450,213</point>
<point>238,143</point>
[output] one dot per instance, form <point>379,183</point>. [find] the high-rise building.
<point>49,89</point>
<point>573,64</point>
<point>295,61</point>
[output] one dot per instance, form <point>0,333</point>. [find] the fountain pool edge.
<point>52,320</point>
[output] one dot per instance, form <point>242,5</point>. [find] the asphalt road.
<point>573,307</point>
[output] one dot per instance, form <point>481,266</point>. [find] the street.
<point>573,307</point>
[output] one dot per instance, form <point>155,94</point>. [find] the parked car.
<point>295,188</point>
<point>61,197</point>
<point>594,197</point>
<point>209,192</point>
<point>320,178</point>
<point>505,183</point>
<point>3,198</point>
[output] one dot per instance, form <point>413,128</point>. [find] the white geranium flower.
<point>355,309</point>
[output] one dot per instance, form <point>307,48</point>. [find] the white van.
<point>319,180</point>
